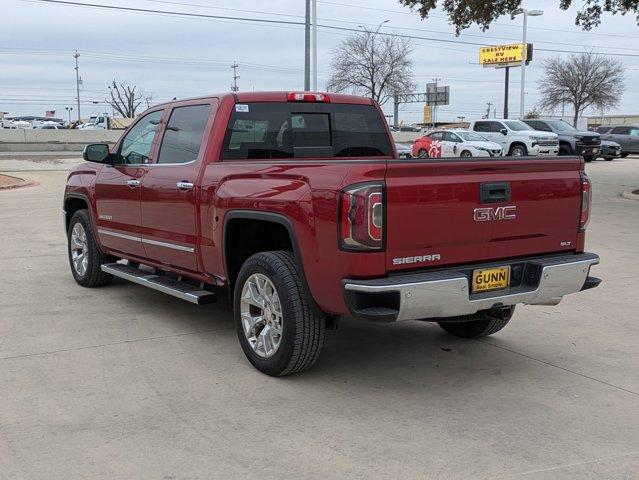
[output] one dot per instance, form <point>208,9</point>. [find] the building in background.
<point>600,120</point>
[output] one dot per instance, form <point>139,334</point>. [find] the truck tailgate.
<point>437,214</point>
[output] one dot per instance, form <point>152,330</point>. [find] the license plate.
<point>490,279</point>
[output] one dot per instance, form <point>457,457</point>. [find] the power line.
<point>290,22</point>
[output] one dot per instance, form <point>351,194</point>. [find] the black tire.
<point>588,159</point>
<point>423,153</point>
<point>518,150</point>
<point>565,150</point>
<point>480,324</point>
<point>302,327</point>
<point>608,159</point>
<point>466,154</point>
<point>93,276</point>
<point>624,155</point>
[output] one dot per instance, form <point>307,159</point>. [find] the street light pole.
<point>314,44</point>
<point>69,109</point>
<point>524,54</point>
<point>77,81</point>
<point>307,47</point>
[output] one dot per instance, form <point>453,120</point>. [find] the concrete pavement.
<point>125,383</point>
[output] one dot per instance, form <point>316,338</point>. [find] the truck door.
<point>117,188</point>
<point>170,189</point>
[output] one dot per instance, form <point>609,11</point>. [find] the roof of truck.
<point>276,96</point>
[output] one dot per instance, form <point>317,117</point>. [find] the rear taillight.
<point>307,97</point>
<point>586,202</point>
<point>361,217</point>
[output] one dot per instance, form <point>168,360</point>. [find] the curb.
<point>630,196</point>
<point>22,183</point>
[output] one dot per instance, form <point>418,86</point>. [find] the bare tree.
<point>464,13</point>
<point>582,80</point>
<point>125,99</point>
<point>374,65</point>
<point>532,113</point>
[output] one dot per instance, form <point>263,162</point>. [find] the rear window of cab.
<point>304,130</point>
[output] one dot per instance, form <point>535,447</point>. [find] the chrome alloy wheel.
<point>261,314</point>
<point>79,249</point>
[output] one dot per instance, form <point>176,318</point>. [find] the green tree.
<point>464,13</point>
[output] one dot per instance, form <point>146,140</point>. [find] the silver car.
<point>625,135</point>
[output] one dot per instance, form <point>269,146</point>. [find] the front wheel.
<point>278,329</point>
<point>466,154</point>
<point>588,159</point>
<point>85,256</point>
<point>518,151</point>
<point>480,324</point>
<point>609,159</point>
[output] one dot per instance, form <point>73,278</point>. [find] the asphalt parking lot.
<point>125,383</point>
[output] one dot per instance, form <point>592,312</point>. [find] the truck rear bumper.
<point>445,293</point>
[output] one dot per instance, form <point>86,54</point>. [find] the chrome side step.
<point>173,287</point>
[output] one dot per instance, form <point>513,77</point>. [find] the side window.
<point>634,132</point>
<point>439,136</point>
<point>451,137</point>
<point>496,127</point>
<point>482,126</point>
<point>183,134</point>
<point>137,143</point>
<point>621,130</point>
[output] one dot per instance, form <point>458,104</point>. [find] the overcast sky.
<point>170,57</point>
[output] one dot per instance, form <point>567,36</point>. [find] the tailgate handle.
<point>494,192</point>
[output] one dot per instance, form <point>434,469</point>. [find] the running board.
<point>176,288</point>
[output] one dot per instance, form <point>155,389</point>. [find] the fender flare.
<point>268,217</point>
<point>80,196</point>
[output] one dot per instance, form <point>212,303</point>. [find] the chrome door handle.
<point>133,183</point>
<point>184,185</point>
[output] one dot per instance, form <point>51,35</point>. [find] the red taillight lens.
<point>307,97</point>
<point>586,201</point>
<point>361,217</point>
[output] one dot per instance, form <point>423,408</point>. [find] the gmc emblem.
<point>500,213</point>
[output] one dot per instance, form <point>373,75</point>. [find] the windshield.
<point>561,126</point>
<point>472,137</point>
<point>517,125</point>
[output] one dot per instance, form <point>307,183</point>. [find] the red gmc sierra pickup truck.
<point>297,204</point>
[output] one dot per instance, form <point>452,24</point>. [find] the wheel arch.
<point>517,143</point>
<point>72,203</point>
<point>235,253</point>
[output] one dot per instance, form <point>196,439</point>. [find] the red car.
<point>297,207</point>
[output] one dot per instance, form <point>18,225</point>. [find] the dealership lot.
<point>124,382</point>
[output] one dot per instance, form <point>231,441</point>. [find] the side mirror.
<point>504,131</point>
<point>96,152</point>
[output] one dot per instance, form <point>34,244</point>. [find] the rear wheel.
<point>85,256</point>
<point>624,155</point>
<point>518,151</point>
<point>466,153</point>
<point>589,159</point>
<point>609,159</point>
<point>423,153</point>
<point>279,331</point>
<point>480,324</point>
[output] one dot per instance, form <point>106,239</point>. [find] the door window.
<point>634,132</point>
<point>621,130</point>
<point>183,134</point>
<point>451,137</point>
<point>137,143</point>
<point>437,136</point>
<point>496,127</point>
<point>482,126</point>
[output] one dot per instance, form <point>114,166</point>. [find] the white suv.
<point>517,138</point>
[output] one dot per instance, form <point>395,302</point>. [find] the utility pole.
<point>307,47</point>
<point>314,44</point>
<point>488,105</point>
<point>77,81</point>
<point>436,79</point>
<point>234,87</point>
<point>524,55</point>
<point>506,82</point>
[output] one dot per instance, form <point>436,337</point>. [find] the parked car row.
<point>530,137</point>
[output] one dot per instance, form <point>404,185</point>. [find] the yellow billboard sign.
<point>502,55</point>
<point>428,114</point>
